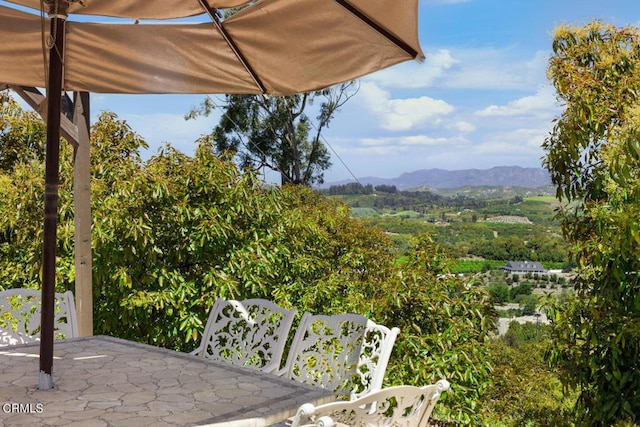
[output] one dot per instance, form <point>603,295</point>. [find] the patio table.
<point>105,381</point>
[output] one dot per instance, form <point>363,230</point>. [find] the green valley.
<point>482,229</point>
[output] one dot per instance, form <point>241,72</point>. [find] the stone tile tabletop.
<point>104,381</point>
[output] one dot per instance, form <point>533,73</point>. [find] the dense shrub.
<point>524,288</point>
<point>172,234</point>
<point>522,334</point>
<point>499,293</point>
<point>445,322</point>
<point>524,390</point>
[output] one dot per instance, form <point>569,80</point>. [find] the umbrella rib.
<point>379,28</point>
<point>214,17</point>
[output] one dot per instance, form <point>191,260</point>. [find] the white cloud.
<point>494,68</point>
<point>380,150</point>
<point>525,143</point>
<point>390,156</point>
<point>413,75</point>
<point>394,152</point>
<point>404,148</point>
<point>401,114</point>
<point>542,104</point>
<point>462,126</point>
<point>412,140</point>
<point>471,68</point>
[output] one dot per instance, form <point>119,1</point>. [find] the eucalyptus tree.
<point>278,132</point>
<point>593,155</point>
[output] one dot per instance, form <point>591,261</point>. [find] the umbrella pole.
<point>52,178</point>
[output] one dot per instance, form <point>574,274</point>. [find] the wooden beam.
<point>38,102</point>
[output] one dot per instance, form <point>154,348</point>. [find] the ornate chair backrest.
<point>249,333</point>
<point>400,406</point>
<point>20,310</point>
<point>345,353</point>
<point>374,357</point>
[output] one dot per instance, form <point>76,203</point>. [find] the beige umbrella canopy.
<point>276,47</point>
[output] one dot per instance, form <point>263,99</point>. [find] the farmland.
<point>482,233</point>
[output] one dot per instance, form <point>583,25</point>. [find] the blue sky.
<point>480,99</point>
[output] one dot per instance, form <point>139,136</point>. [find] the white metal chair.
<point>20,310</point>
<point>345,353</point>
<point>250,333</point>
<point>400,406</point>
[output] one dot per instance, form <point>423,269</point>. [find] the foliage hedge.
<point>172,234</point>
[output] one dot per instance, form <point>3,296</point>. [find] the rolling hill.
<point>500,176</point>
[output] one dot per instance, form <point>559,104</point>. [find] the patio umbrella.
<point>276,47</point>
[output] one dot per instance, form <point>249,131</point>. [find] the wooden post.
<point>82,211</point>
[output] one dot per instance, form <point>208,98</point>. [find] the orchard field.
<point>481,233</point>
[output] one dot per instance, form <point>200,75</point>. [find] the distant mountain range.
<point>501,176</point>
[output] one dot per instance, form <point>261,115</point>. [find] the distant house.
<point>524,267</point>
